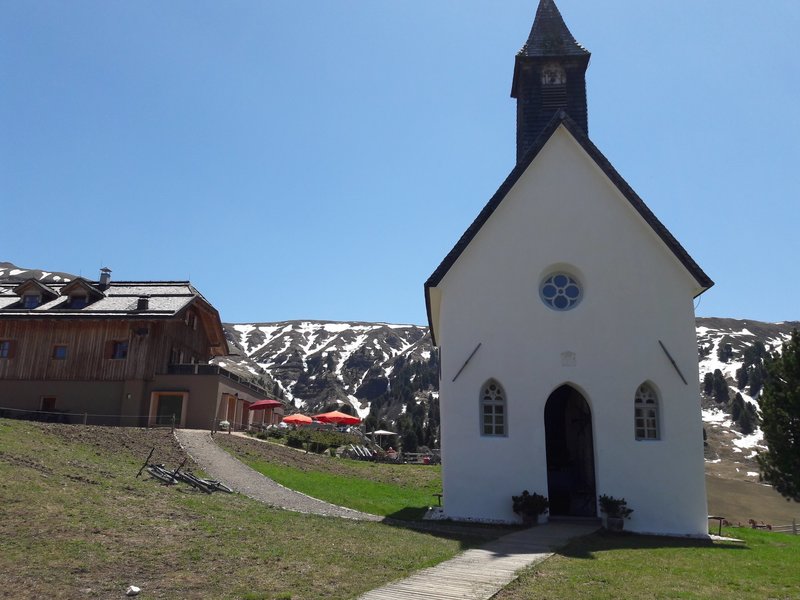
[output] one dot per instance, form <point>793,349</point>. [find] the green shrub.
<point>319,441</point>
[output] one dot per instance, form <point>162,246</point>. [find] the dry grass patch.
<point>76,523</point>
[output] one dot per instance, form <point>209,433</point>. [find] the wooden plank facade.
<point>151,346</point>
<point>129,353</point>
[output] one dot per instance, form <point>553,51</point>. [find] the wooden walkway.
<point>480,573</point>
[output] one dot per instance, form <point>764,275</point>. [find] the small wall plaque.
<point>568,359</point>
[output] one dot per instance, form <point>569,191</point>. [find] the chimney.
<point>143,303</point>
<point>105,277</point>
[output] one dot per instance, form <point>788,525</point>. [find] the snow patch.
<point>750,441</point>
<point>362,413</point>
<point>716,417</point>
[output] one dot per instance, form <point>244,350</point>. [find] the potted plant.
<point>616,511</point>
<point>530,506</point>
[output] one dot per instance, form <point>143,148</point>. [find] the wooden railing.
<point>206,369</point>
<point>793,528</point>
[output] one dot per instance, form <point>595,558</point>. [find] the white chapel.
<point>565,320</point>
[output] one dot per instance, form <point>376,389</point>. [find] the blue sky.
<point>318,159</point>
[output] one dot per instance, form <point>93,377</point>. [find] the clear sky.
<point>318,159</point>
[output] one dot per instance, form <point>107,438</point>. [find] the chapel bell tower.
<point>549,76</point>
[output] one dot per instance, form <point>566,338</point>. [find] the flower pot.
<point>615,523</point>
<point>530,520</point>
<point>533,520</point>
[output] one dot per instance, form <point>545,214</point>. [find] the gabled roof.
<point>32,285</point>
<point>550,36</point>
<point>559,119</point>
<point>82,284</point>
<point>120,300</point>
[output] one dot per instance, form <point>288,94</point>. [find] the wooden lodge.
<point>126,353</point>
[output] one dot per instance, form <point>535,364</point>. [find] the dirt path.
<point>221,465</point>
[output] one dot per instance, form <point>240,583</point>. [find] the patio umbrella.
<point>297,419</point>
<point>339,418</point>
<point>379,433</point>
<point>263,404</point>
<point>266,404</point>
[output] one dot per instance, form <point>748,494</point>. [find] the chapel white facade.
<point>565,321</point>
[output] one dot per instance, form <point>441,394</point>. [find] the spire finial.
<point>549,35</point>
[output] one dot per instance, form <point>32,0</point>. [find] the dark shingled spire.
<point>549,76</point>
<point>550,36</point>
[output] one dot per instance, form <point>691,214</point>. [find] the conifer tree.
<point>748,419</point>
<point>741,377</point>
<point>780,420</point>
<point>737,407</point>
<point>708,383</point>
<point>756,378</point>
<point>720,387</point>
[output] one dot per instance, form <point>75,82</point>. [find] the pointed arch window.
<point>645,408</point>
<point>494,418</point>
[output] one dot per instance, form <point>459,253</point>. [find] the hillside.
<point>731,347</point>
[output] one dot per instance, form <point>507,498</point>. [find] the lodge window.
<point>31,300</point>
<point>78,301</point>
<point>59,352</point>
<point>6,348</point>
<point>118,350</point>
<point>493,409</point>
<point>645,409</point>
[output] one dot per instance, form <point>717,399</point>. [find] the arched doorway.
<point>570,454</point>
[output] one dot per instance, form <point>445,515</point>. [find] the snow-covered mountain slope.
<point>315,363</point>
<point>723,345</point>
<point>11,272</point>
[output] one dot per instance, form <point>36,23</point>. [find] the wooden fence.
<point>793,528</point>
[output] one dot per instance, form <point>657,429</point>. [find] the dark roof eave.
<point>561,118</point>
<point>428,311</point>
<point>51,314</point>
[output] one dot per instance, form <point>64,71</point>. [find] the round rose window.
<point>561,291</point>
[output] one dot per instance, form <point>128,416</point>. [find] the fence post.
<point>173,422</point>
<point>85,418</point>
<point>794,526</point>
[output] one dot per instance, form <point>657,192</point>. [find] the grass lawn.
<point>627,566</point>
<point>400,491</point>
<point>76,523</point>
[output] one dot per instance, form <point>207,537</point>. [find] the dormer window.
<point>33,294</point>
<point>78,301</point>
<point>80,294</point>
<point>31,300</point>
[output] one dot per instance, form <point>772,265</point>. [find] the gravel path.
<point>224,467</point>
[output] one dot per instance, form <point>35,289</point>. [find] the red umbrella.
<point>297,419</point>
<point>263,404</point>
<point>337,417</point>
